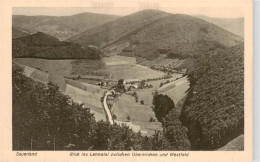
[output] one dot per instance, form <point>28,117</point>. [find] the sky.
<point>122,11</point>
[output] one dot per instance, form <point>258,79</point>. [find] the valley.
<point>118,67</point>
<point>171,81</point>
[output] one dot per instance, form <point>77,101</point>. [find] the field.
<point>89,67</point>
<point>145,62</point>
<point>139,114</point>
<point>129,71</point>
<point>146,94</point>
<point>58,67</point>
<point>163,61</point>
<point>85,92</point>
<point>67,67</point>
<point>122,67</point>
<point>175,90</point>
<point>118,60</point>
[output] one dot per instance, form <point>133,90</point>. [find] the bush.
<point>110,105</point>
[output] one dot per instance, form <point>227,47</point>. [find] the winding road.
<point>110,119</point>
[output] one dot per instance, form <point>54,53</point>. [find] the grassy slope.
<point>61,27</point>
<point>214,109</point>
<point>175,90</point>
<point>235,145</point>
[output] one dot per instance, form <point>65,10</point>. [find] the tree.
<point>161,84</point>
<point>142,83</point>
<point>110,105</point>
<point>136,99</point>
<point>129,88</point>
<point>142,102</point>
<point>152,119</point>
<point>120,82</point>
<point>114,116</point>
<point>120,85</point>
<point>162,105</point>
<point>128,118</point>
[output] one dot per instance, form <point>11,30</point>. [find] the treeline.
<point>45,119</point>
<point>200,47</point>
<point>214,109</point>
<point>41,45</point>
<point>180,51</point>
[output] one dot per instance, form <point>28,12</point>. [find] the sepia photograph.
<point>128,79</point>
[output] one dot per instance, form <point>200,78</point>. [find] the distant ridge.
<point>61,27</point>
<point>233,25</point>
<point>16,33</point>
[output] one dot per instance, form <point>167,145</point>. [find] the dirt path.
<point>110,119</point>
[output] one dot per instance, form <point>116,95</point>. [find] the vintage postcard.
<point>139,80</point>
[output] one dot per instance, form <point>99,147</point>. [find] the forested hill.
<point>153,30</point>
<point>61,27</point>
<point>214,109</point>
<point>122,27</point>
<point>41,45</point>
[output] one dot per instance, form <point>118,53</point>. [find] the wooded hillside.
<point>41,45</point>
<point>214,109</point>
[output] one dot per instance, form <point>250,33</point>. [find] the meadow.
<point>130,71</point>
<point>175,90</point>
<point>139,114</point>
<point>66,67</point>
<point>118,60</point>
<point>146,94</point>
<point>57,67</point>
